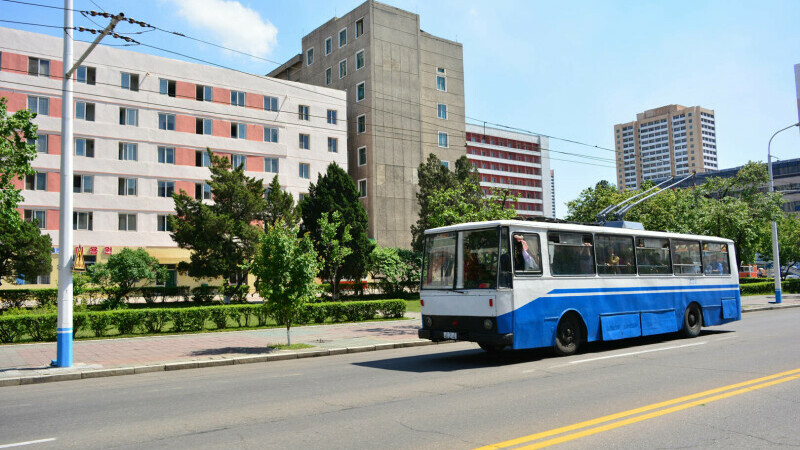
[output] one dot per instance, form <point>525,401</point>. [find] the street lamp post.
<point>776,261</point>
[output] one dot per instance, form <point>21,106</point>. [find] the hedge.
<point>791,286</point>
<point>42,326</point>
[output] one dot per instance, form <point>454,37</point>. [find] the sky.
<point>566,69</point>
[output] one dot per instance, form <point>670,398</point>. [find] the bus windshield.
<point>473,267</point>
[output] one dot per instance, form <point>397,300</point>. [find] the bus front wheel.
<point>568,335</point>
<point>692,321</point>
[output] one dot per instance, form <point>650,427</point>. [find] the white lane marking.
<point>20,444</point>
<point>637,353</point>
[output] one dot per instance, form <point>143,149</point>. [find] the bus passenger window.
<point>440,260</point>
<point>652,256</point>
<point>686,258</point>
<point>615,255</point>
<point>480,259</point>
<point>527,253</point>
<point>571,254</point>
<point>715,259</point>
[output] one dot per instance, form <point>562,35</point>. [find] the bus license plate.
<point>450,335</point>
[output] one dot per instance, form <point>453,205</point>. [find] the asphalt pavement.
<point>29,363</point>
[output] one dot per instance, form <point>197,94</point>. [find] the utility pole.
<point>65,301</point>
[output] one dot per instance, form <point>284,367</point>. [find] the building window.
<point>39,67</point>
<point>328,46</point>
<point>166,87</point>
<point>130,81</point>
<point>443,140</point>
<point>84,147</point>
<point>166,121</point>
<point>84,111</point>
<point>238,98</point>
<point>166,188</point>
<point>310,56</point>
<point>83,184</point>
<point>129,116</point>
<point>271,165</point>
<point>359,27</point>
<point>303,112</point>
<point>166,155</point>
<point>127,222</point>
<point>82,220</point>
<point>305,141</point>
<point>362,188</point>
<point>305,171</point>
<point>332,116</point>
<point>39,105</point>
<point>36,182</point>
<point>238,130</point>
<point>127,186</point>
<point>333,145</point>
<point>40,143</point>
<point>203,126</point>
<point>442,111</point>
<point>270,103</point>
<point>204,93</point>
<point>202,159</point>
<point>342,37</point>
<point>342,68</point>
<point>361,91</point>
<point>239,161</point>
<point>441,79</point>
<point>128,151</point>
<point>361,124</point>
<point>270,134</point>
<point>301,196</point>
<point>362,156</point>
<point>446,164</point>
<point>202,191</point>
<point>328,76</point>
<point>360,59</point>
<point>38,215</point>
<point>163,222</point>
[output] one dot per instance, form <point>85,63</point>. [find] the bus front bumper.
<point>471,336</point>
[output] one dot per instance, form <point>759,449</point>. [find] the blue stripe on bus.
<point>648,288</point>
<point>641,314</point>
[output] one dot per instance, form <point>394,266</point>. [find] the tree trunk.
<point>288,336</point>
<point>335,286</point>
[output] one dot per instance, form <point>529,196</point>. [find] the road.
<point>447,396</point>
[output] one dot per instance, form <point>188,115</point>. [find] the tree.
<point>334,237</point>
<point>286,266</point>
<point>788,242</point>
<point>447,198</point>
<point>222,236</point>
<point>24,250</point>
<point>335,191</point>
<point>118,277</point>
<point>280,205</point>
<point>395,268</point>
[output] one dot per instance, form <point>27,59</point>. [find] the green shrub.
<point>99,321</point>
<point>179,320</point>
<point>154,319</point>
<point>392,309</point>
<point>755,280</point>
<point>127,320</point>
<point>757,288</point>
<point>219,315</point>
<point>196,318</point>
<point>204,294</point>
<point>237,295</point>
<point>41,327</point>
<point>11,328</point>
<point>262,315</point>
<point>15,298</point>
<point>79,320</point>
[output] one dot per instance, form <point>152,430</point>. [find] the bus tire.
<point>569,335</point>
<point>491,347</point>
<point>692,321</point>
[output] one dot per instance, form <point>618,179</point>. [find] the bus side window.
<point>527,253</point>
<point>505,259</point>
<point>716,260</point>
<point>571,253</point>
<point>614,255</point>
<point>686,258</point>
<point>653,256</point>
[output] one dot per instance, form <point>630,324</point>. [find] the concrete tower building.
<point>405,100</point>
<point>672,140</point>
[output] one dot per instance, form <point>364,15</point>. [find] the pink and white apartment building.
<point>142,125</point>
<point>513,161</point>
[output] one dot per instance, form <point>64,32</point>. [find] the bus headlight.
<point>428,322</point>
<point>488,324</point>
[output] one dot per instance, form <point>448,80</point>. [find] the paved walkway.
<point>28,363</point>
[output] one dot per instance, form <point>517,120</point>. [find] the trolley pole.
<point>776,260</point>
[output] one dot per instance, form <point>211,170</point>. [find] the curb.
<point>768,308</point>
<point>118,371</point>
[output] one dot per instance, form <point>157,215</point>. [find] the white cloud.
<point>231,24</point>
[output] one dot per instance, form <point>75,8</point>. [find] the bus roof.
<point>573,227</point>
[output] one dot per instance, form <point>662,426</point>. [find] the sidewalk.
<point>28,363</point>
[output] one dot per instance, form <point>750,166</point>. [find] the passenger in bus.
<point>524,259</point>
<point>613,262</point>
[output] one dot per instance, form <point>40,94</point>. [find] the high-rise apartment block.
<point>513,161</point>
<point>405,100</point>
<point>669,141</point>
<point>142,125</point>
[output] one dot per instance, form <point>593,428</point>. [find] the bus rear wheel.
<point>692,321</point>
<point>491,347</point>
<point>568,335</point>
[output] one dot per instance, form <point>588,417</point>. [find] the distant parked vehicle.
<point>792,276</point>
<point>748,271</point>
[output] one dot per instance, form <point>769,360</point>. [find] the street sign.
<point>79,265</point>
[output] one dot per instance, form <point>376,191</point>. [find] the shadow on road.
<point>233,350</point>
<point>445,361</point>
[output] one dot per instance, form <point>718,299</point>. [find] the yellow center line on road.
<point>767,381</point>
